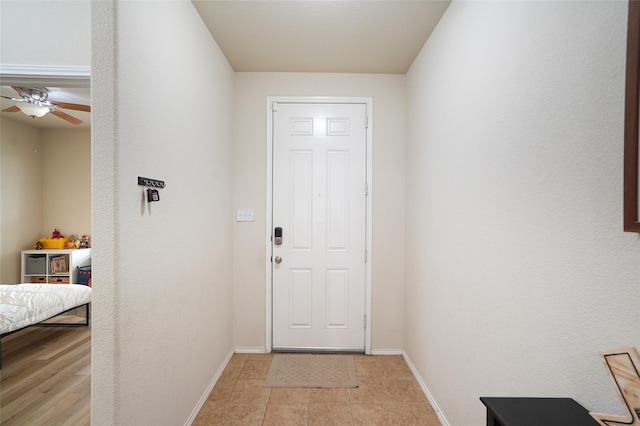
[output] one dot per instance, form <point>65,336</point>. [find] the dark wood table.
<point>536,412</point>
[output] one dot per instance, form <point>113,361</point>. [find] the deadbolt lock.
<point>277,236</point>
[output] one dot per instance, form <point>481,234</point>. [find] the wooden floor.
<point>46,376</point>
<point>46,380</point>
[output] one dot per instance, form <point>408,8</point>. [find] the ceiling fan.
<point>34,102</point>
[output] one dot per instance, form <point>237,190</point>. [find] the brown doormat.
<point>312,371</point>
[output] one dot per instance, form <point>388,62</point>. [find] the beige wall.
<point>66,187</point>
<point>162,94</point>
<point>21,180</point>
<point>46,184</point>
<point>518,271</point>
<point>249,190</point>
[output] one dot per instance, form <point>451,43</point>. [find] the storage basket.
<point>54,243</point>
<point>35,264</point>
<point>84,275</point>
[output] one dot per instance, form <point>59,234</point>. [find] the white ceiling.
<point>351,36</point>
<point>345,36</point>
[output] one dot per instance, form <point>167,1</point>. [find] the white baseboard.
<point>373,351</point>
<point>386,351</point>
<point>204,397</point>
<point>423,386</point>
<point>250,350</point>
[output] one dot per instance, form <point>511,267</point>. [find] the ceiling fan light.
<point>33,110</point>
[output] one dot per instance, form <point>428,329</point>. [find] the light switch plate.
<point>244,215</point>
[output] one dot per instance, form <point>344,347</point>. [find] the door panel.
<point>319,200</point>
<point>337,299</point>
<point>300,303</point>
<point>337,200</point>
<point>301,180</point>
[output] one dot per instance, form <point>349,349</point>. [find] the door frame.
<point>269,206</point>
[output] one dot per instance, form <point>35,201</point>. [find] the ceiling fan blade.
<point>11,109</point>
<point>20,91</point>
<point>65,116</point>
<point>12,99</point>
<point>77,107</point>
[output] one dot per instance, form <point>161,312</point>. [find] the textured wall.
<point>518,271</point>
<point>162,293</point>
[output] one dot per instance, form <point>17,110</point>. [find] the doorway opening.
<point>46,143</point>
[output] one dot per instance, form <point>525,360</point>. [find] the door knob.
<point>278,260</point>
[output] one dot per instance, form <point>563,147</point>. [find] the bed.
<point>24,305</point>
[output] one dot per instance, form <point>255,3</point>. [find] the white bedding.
<point>22,305</point>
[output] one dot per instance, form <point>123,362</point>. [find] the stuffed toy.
<point>84,241</point>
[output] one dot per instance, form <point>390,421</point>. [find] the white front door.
<point>319,203</point>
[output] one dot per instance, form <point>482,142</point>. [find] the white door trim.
<point>269,205</point>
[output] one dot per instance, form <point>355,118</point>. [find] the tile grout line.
<point>381,370</point>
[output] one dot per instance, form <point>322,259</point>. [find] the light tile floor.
<point>387,394</point>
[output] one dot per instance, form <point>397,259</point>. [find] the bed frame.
<point>51,324</point>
